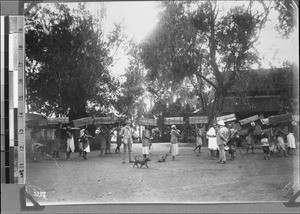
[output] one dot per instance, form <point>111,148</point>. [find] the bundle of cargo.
<point>105,120</point>
<point>35,120</point>
<point>198,120</point>
<point>58,120</point>
<point>283,118</point>
<point>173,120</point>
<point>82,121</point>
<point>147,122</point>
<point>227,118</point>
<point>54,121</point>
<point>250,121</point>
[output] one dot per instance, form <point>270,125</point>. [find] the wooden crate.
<point>147,122</point>
<point>173,120</point>
<point>198,120</point>
<point>82,121</point>
<point>104,120</point>
<point>249,120</point>
<point>227,118</point>
<point>54,121</point>
<point>280,118</point>
<point>58,120</point>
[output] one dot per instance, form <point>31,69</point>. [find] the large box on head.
<point>105,120</point>
<point>249,120</point>
<point>82,121</point>
<point>54,121</point>
<point>283,118</point>
<point>198,120</point>
<point>227,118</point>
<point>96,121</point>
<point>147,122</point>
<point>173,120</point>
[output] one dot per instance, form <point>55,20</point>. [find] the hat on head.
<point>221,123</point>
<point>127,122</point>
<point>173,127</point>
<point>97,131</point>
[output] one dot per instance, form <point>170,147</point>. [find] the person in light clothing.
<point>291,142</point>
<point>126,133</point>
<point>212,141</point>
<point>175,134</point>
<point>222,139</point>
<point>70,144</point>
<point>146,141</point>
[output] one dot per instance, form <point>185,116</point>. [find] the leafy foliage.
<point>203,47</point>
<point>286,9</point>
<point>67,60</point>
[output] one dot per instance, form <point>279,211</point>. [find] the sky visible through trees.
<point>141,17</point>
<point>138,26</point>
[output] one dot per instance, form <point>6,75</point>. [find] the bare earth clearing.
<point>190,178</point>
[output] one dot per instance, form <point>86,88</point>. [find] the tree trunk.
<point>212,111</point>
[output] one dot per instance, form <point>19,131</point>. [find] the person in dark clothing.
<point>57,143</point>
<point>86,143</point>
<point>119,140</point>
<point>108,140</point>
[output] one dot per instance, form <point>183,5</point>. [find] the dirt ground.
<point>190,178</point>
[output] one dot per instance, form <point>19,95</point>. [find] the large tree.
<point>205,46</point>
<point>67,59</point>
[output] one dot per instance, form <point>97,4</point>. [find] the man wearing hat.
<point>126,133</point>
<point>222,139</point>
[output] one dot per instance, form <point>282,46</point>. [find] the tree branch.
<point>30,6</point>
<point>207,80</point>
<point>267,10</point>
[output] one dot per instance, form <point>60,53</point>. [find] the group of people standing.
<point>281,140</point>
<point>102,135</point>
<point>84,140</point>
<point>83,143</point>
<point>221,138</point>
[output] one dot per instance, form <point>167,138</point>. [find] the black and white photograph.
<point>133,102</point>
